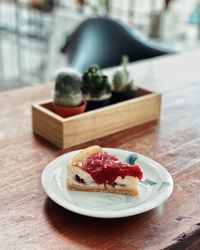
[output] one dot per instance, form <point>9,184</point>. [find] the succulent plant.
<point>68,89</point>
<point>121,79</point>
<point>95,85</point>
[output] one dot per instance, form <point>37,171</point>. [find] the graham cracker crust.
<point>100,189</point>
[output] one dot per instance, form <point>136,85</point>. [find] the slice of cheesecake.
<point>94,170</point>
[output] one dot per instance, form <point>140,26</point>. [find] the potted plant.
<point>96,88</point>
<point>122,85</point>
<point>68,99</point>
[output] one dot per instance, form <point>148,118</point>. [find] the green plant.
<point>121,79</point>
<point>95,84</point>
<point>68,89</point>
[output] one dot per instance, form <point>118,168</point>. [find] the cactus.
<point>95,85</point>
<point>68,89</point>
<point>121,79</point>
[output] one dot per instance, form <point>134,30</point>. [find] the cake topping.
<point>105,168</point>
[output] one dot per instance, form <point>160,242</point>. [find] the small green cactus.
<point>68,89</point>
<point>121,80</point>
<point>95,85</point>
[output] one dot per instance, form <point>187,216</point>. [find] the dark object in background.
<point>43,5</point>
<point>103,41</point>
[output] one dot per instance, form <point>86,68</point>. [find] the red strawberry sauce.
<point>105,168</point>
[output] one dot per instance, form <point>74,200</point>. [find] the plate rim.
<point>101,214</point>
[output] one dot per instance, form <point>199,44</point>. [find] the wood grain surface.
<point>30,220</point>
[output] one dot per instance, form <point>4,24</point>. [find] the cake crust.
<point>73,187</point>
<point>84,154</point>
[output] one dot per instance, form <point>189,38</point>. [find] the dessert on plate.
<point>95,170</point>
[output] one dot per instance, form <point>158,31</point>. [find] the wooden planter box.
<point>67,132</point>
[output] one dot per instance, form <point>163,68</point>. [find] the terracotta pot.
<point>69,111</point>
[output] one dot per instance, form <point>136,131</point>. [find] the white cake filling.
<point>73,172</point>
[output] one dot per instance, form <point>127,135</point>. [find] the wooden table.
<point>30,220</point>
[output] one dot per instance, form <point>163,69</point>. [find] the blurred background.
<point>34,33</point>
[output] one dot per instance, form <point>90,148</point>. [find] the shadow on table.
<point>42,142</point>
<point>87,230</point>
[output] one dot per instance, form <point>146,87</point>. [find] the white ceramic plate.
<point>155,188</point>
